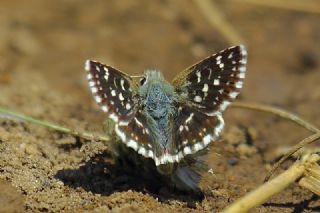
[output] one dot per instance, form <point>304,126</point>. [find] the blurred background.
<point>53,39</point>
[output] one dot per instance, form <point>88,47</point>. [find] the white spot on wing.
<point>224,105</point>
<point>216,82</point>
<point>91,84</point>
<point>128,106</point>
<point>87,65</point>
<point>243,50</point>
<point>104,108</point>
<point>233,94</point>
<point>142,151</point>
<point>189,118</point>
<point>157,161</point>
<point>242,75</point>
<point>133,144</point>
<point>122,84</point>
<point>170,158</point>
<point>239,84</point>
<point>106,76</point>
<point>98,99</point>
<point>114,117</point>
<point>138,122</point>
<point>198,147</point>
<point>199,76</point>
<point>123,123</point>
<point>89,76</point>
<point>207,139</point>
<point>150,154</point>
<point>219,128</point>
<point>120,134</point>
<point>94,89</point>
<point>205,88</point>
<point>187,150</point>
<point>121,97</point>
<point>210,71</point>
<point>197,99</point>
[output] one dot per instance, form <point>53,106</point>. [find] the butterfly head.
<point>154,86</point>
<point>152,78</point>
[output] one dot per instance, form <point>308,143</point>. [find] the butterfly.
<point>169,121</point>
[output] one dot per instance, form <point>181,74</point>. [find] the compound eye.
<point>142,81</point>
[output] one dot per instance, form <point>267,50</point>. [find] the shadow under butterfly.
<point>165,127</point>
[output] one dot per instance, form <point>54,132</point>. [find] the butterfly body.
<point>168,122</point>
<point>158,106</point>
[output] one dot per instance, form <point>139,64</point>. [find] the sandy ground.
<point>43,46</point>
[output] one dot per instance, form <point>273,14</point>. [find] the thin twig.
<point>85,135</point>
<point>295,148</point>
<point>287,115</point>
<point>273,187</point>
<point>215,18</point>
<point>303,6</point>
<point>280,112</point>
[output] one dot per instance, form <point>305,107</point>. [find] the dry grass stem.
<point>311,184</point>
<point>295,148</point>
<point>279,112</point>
<point>311,181</point>
<point>287,115</point>
<point>314,171</point>
<point>273,187</point>
<point>216,20</point>
<point>302,6</point>
<point>82,134</point>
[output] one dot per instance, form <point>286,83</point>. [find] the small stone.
<point>31,149</point>
<point>232,162</point>
<point>246,150</point>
